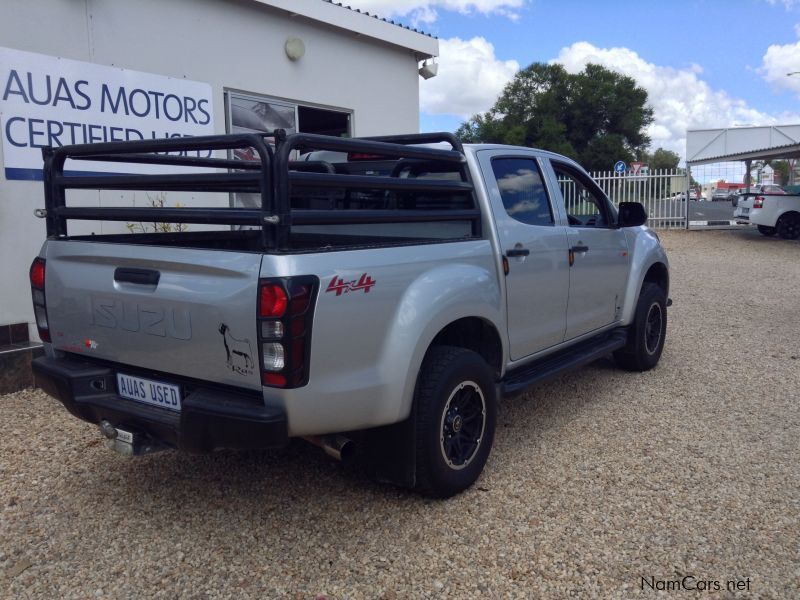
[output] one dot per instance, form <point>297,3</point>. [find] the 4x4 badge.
<point>340,286</point>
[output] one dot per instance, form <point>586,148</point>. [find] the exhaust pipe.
<point>336,446</point>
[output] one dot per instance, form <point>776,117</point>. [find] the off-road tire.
<point>449,378</point>
<point>647,333</point>
<point>788,226</point>
<point>767,230</point>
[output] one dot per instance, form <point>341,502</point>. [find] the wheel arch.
<point>455,304</point>
<point>476,334</point>
<point>658,273</point>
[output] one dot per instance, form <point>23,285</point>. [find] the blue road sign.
<point>619,167</point>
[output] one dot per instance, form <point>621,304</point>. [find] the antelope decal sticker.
<point>240,353</point>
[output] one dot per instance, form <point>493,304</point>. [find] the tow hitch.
<point>128,443</point>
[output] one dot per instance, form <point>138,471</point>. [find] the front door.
<point>598,252</point>
<point>535,246</point>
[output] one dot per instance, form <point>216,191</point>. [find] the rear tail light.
<point>758,202</point>
<point>271,300</point>
<point>37,276</point>
<point>285,312</point>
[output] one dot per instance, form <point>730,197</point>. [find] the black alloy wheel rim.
<point>652,328</point>
<point>792,227</point>
<point>462,425</point>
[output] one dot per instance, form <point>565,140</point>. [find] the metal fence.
<point>662,192</point>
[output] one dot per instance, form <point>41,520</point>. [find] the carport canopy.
<point>706,146</point>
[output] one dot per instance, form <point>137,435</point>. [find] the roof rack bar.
<point>203,142</point>
<point>198,182</point>
<point>222,216</point>
<point>187,161</point>
<point>301,179</point>
<point>331,217</point>
<point>286,144</point>
<point>367,146</point>
<point>259,181</point>
<point>272,176</point>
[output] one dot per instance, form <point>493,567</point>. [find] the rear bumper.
<point>209,418</point>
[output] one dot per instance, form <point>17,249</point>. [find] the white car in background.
<point>692,196</point>
<point>766,188</point>
<point>772,212</point>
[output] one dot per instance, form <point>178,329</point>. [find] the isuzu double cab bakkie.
<point>377,291</point>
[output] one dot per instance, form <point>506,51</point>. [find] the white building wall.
<point>237,45</point>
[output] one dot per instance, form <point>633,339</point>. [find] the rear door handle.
<point>517,252</point>
<point>140,276</point>
<point>580,248</point>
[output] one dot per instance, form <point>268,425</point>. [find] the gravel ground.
<point>596,480</point>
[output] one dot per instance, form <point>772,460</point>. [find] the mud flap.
<point>391,452</point>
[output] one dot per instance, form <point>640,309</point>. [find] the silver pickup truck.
<point>379,293</point>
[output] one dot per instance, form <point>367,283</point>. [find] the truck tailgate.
<point>189,312</point>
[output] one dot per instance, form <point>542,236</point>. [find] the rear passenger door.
<point>535,247</point>
<point>598,251</point>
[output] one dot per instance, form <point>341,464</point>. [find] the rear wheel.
<point>455,420</point>
<point>788,226</point>
<point>766,230</point>
<point>647,334</point>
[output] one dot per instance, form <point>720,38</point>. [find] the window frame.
<point>539,167</point>
<point>607,209</point>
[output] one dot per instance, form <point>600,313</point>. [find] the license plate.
<point>745,211</point>
<point>157,393</point>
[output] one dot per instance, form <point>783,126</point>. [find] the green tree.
<point>596,116</point>
<point>660,159</point>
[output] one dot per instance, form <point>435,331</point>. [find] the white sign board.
<point>50,101</point>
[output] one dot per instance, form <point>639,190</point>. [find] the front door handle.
<point>517,252</point>
<point>580,249</point>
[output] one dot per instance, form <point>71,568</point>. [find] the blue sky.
<point>705,63</point>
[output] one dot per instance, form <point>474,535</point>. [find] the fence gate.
<point>662,192</point>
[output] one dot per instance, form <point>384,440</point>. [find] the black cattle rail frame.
<point>272,176</point>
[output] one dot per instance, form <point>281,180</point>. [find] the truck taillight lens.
<point>274,356</point>
<point>271,300</point>
<point>758,202</point>
<point>285,313</point>
<point>37,275</point>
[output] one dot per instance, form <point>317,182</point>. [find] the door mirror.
<point>631,214</point>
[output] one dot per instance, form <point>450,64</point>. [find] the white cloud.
<point>424,11</point>
<point>679,98</point>
<point>520,181</point>
<point>787,4</point>
<point>470,78</point>
<point>778,61</point>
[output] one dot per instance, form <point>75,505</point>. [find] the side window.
<point>522,190</point>
<point>584,207</point>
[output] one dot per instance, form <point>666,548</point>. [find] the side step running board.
<point>517,381</point>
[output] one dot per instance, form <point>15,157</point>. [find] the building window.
<point>249,113</point>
